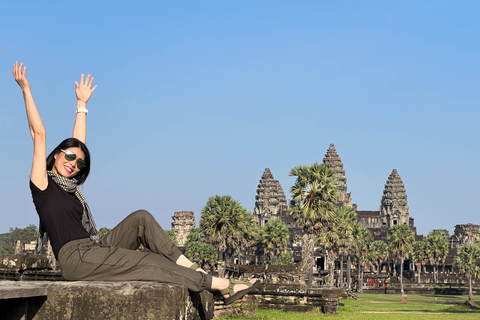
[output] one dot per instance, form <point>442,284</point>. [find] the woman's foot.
<point>240,286</point>
<point>237,289</point>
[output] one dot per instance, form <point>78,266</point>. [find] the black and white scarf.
<point>70,186</point>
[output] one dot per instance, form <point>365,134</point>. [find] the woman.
<point>65,216</point>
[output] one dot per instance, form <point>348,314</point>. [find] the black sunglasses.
<point>70,156</point>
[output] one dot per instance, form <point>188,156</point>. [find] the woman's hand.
<point>19,75</point>
<point>84,90</point>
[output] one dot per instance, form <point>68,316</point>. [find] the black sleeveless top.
<point>60,214</point>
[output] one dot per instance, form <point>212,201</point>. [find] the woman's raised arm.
<point>83,90</point>
<point>37,130</point>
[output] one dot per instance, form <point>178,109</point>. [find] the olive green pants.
<point>115,257</point>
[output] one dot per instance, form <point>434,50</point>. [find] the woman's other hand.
<point>84,89</point>
<point>20,77</point>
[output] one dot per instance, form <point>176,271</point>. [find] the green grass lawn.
<point>387,307</point>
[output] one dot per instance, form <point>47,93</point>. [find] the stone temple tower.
<point>333,162</point>
<point>270,201</point>
<point>393,207</point>
<point>182,223</point>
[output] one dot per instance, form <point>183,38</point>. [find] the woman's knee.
<point>142,215</point>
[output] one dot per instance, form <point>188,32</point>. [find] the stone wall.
<point>133,300</point>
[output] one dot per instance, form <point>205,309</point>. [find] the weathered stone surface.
<point>19,262</point>
<point>298,308</point>
<point>27,246</point>
<point>27,267</point>
<point>466,234</point>
<point>182,223</point>
<point>11,290</point>
<point>119,300</point>
<point>286,297</point>
<point>293,274</point>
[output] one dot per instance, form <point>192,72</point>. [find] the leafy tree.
<point>285,259</point>
<point>436,249</point>
<point>198,250</point>
<point>401,238</point>
<point>103,232</point>
<point>224,224</point>
<point>9,240</point>
<point>419,256</point>
<point>172,235</point>
<point>361,244</point>
<point>379,253</point>
<point>467,261</point>
<point>4,249</point>
<point>274,238</point>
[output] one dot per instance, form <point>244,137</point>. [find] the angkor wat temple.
<point>271,204</point>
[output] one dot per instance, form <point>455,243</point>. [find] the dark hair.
<point>72,143</point>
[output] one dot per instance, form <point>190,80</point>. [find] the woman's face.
<point>68,168</point>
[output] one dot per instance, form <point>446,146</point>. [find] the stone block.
<point>11,290</point>
<point>290,297</point>
<point>329,309</point>
<point>20,262</point>
<point>134,300</point>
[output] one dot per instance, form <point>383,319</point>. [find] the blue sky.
<point>197,98</point>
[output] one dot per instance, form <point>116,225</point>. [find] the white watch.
<point>83,110</point>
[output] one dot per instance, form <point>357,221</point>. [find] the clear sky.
<point>197,98</point>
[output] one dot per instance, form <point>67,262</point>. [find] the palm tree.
<point>379,251</point>
<point>419,256</point>
<point>361,245</point>
<point>467,261</point>
<point>246,234</point>
<point>437,250</point>
<point>349,218</point>
<point>274,239</point>
<point>337,235</point>
<point>401,238</point>
<point>314,196</point>
<point>220,221</point>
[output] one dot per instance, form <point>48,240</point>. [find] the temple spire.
<point>394,207</point>
<point>333,162</point>
<point>270,201</point>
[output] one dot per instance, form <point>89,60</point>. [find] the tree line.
<point>8,241</point>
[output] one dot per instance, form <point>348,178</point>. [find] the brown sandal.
<point>235,296</point>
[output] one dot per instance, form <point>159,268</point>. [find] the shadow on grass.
<point>463,308</point>
<point>455,308</point>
